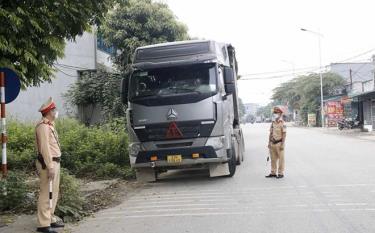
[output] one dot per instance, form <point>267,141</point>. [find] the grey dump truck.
<point>183,109</point>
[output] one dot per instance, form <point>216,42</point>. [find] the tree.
<point>136,23</point>
<point>99,89</point>
<point>265,111</point>
<point>129,25</point>
<point>33,33</point>
<point>304,92</point>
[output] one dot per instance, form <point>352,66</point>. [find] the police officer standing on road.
<point>276,144</point>
<point>48,166</point>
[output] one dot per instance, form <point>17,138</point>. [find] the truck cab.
<point>183,109</point>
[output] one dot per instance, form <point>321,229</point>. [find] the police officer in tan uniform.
<point>48,166</point>
<point>276,144</point>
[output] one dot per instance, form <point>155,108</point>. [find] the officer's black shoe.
<point>271,175</point>
<point>280,176</point>
<point>45,230</point>
<point>57,224</point>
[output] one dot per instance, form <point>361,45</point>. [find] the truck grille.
<point>158,132</point>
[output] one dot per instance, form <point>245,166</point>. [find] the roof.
<point>180,53</point>
<point>363,94</point>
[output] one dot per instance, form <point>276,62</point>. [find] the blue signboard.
<point>12,85</point>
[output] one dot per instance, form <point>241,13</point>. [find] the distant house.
<point>84,54</point>
<point>251,108</point>
<point>359,97</point>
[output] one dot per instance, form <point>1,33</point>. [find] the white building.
<point>251,108</point>
<point>86,53</point>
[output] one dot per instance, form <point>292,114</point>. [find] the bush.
<point>13,191</point>
<point>88,151</point>
<point>21,145</point>
<point>70,203</point>
<point>95,152</point>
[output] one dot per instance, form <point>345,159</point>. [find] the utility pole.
<point>319,35</point>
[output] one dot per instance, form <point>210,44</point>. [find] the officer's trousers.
<point>45,214</point>
<point>277,158</point>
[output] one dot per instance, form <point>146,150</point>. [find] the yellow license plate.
<point>174,158</point>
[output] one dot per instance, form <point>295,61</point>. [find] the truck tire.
<point>232,163</point>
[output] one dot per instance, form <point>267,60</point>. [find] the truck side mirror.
<point>228,75</point>
<point>229,81</point>
<point>124,90</point>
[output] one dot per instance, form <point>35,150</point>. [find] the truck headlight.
<point>134,149</point>
<point>216,142</point>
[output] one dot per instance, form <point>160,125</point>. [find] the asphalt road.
<point>329,187</point>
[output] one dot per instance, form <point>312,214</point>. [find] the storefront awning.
<point>363,95</point>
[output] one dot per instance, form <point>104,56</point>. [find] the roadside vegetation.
<point>303,94</point>
<point>89,152</point>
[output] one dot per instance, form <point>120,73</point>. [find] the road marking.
<point>180,201</point>
<point>190,207</point>
<point>204,195</point>
<point>348,204</point>
<point>344,185</point>
<point>187,205</point>
<point>229,213</point>
<point>210,191</point>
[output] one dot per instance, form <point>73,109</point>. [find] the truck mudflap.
<point>178,157</point>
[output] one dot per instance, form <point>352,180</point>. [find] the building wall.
<point>80,55</point>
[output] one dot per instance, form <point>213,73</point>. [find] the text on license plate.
<point>174,158</point>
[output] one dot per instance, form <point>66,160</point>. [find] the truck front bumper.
<point>207,155</point>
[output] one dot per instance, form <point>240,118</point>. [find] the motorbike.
<point>348,123</point>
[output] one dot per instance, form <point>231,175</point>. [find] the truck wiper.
<point>148,96</point>
<point>184,89</point>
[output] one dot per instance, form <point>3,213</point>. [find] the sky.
<point>267,35</point>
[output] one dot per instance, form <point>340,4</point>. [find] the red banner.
<point>334,112</point>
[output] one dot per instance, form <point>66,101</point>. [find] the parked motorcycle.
<point>348,123</point>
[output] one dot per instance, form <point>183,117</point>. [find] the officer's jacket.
<point>277,129</point>
<point>47,141</point>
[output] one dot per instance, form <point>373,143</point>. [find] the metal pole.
<point>321,83</point>
<point>3,124</point>
<point>320,71</point>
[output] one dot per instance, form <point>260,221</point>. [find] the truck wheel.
<point>232,163</point>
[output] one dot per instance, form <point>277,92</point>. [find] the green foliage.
<point>129,25</point>
<point>86,151</point>
<point>304,92</point>
<point>265,111</point>
<point>70,203</point>
<point>33,33</point>
<point>98,88</point>
<point>136,23</point>
<point>13,191</point>
<point>21,145</point>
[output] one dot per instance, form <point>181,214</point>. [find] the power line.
<point>74,76</point>
<point>291,72</point>
<point>359,55</point>
<point>280,71</point>
<point>72,67</point>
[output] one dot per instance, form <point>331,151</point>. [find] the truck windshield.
<point>169,81</point>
